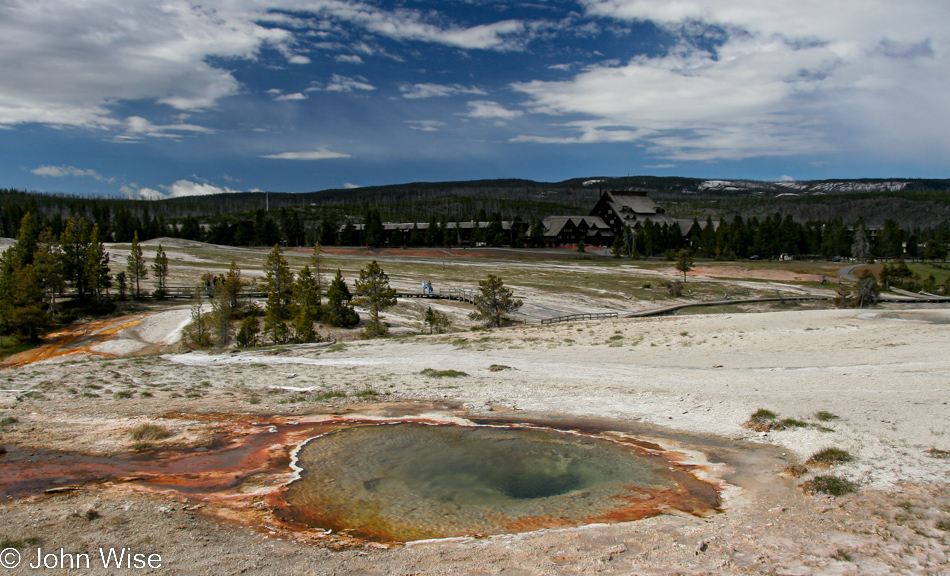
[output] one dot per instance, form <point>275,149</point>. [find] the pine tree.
<point>306,306</point>
<point>373,292</point>
<point>338,311</point>
<point>316,262</point>
<point>96,265</point>
<point>494,302</point>
<point>136,266</point>
<point>684,262</point>
<point>72,242</point>
<point>247,334</point>
<point>198,333</point>
<point>221,317</point>
<point>231,286</point>
<point>437,321</point>
<point>279,287</point>
<point>160,270</point>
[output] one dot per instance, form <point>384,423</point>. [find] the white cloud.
<point>348,58</point>
<point>796,78</point>
<point>350,186</point>
<point>340,83</point>
<point>488,109</point>
<point>68,63</point>
<point>294,96</point>
<point>138,128</point>
<point>435,90</point>
<point>321,154</point>
<point>425,125</point>
<point>786,178</point>
<point>69,171</point>
<point>179,189</point>
<point>65,63</point>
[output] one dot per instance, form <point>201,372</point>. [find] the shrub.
<point>830,456</point>
<point>790,423</point>
<point>762,420</point>
<point>149,433</point>
<point>675,288</point>
<point>248,333</point>
<point>432,373</point>
<point>436,321</point>
<point>832,485</point>
<point>825,416</point>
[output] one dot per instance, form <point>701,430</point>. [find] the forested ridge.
<point>263,218</point>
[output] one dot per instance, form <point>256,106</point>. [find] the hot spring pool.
<point>409,481</point>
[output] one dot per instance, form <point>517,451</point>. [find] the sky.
<point>167,98</point>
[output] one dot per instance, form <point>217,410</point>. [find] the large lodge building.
<point>613,211</point>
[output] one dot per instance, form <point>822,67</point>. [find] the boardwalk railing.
<point>460,294</point>
<point>587,316</point>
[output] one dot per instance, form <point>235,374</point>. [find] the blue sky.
<point>160,98</point>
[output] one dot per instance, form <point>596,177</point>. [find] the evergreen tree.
<point>437,321</point>
<point>494,302</point>
<point>198,333</point>
<point>278,284</point>
<point>415,237</point>
<point>136,266</point>
<point>306,306</point>
<point>248,333</point>
<point>338,311</point>
<point>707,240</point>
<point>934,251</point>
<point>684,262</point>
<point>433,234</point>
<point>373,292</point>
<point>231,285</point>
<point>536,237</point>
<point>122,285</point>
<point>72,243</point>
<point>476,238</point>
<point>316,262</point>
<point>221,317</point>
<point>48,261</point>
<point>890,239</point>
<point>160,270</point>
<point>96,265</point>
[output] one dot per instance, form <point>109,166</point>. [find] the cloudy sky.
<point>158,98</point>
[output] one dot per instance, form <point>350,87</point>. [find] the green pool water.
<point>408,481</point>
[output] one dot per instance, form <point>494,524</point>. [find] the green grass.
<point>786,423</point>
<point>433,373</point>
<point>327,395</point>
<point>825,416</point>
<point>11,543</point>
<point>830,456</point>
<point>14,347</point>
<point>831,485</point>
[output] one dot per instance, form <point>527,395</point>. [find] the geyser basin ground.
<point>411,481</point>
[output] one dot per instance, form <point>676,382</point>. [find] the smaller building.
<point>592,230</point>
